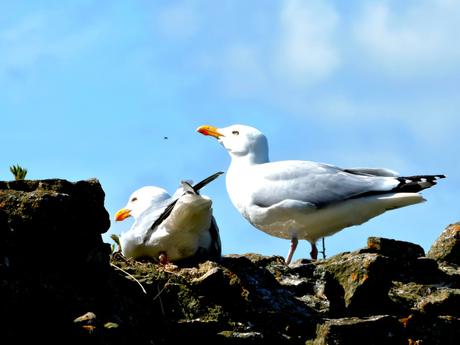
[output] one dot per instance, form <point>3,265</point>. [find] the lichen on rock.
<point>59,282</point>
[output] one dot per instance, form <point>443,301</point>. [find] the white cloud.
<point>297,52</point>
<point>413,40</point>
<point>427,120</point>
<point>306,52</point>
<point>308,62</point>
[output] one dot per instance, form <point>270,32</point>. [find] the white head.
<point>140,200</point>
<point>240,141</point>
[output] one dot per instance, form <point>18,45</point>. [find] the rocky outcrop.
<point>447,246</point>
<point>60,283</point>
<point>53,262</point>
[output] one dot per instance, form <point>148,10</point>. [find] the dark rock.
<point>297,278</point>
<point>53,259</point>
<point>250,338</point>
<point>431,329</point>
<point>408,260</point>
<point>409,295</point>
<point>451,274</point>
<point>53,219</point>
<point>447,246</point>
<point>365,279</point>
<point>380,329</point>
<point>266,302</point>
<point>262,260</point>
<point>393,248</point>
<point>233,300</point>
<point>60,283</point>
<point>422,270</point>
<point>429,299</point>
<point>442,301</point>
<point>317,288</point>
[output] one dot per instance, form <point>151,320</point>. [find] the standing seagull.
<point>170,228</point>
<point>303,199</point>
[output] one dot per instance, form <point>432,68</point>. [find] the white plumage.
<point>170,228</point>
<point>303,199</point>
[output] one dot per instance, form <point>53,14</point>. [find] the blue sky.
<point>91,88</point>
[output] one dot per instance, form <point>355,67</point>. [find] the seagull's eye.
<point>133,199</point>
<point>235,133</point>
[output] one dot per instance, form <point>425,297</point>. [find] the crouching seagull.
<point>171,229</point>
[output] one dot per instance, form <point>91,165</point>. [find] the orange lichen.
<point>405,320</point>
<point>372,245</point>
<point>455,228</point>
<point>89,328</point>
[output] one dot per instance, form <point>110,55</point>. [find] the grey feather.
<point>315,183</point>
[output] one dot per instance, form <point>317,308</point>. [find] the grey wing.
<point>372,172</point>
<point>314,183</point>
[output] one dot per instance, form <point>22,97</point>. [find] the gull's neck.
<point>240,166</point>
<point>256,152</point>
<point>249,159</point>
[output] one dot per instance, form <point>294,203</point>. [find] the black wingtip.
<point>417,183</point>
<point>207,180</point>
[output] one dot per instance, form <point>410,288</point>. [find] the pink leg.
<point>314,252</point>
<point>163,258</point>
<point>294,242</point>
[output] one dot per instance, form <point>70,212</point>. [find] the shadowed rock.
<point>365,279</point>
<point>393,248</point>
<point>60,283</point>
<point>442,301</point>
<point>53,261</point>
<point>380,329</point>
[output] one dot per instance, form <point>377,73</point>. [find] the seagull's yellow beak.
<point>122,214</point>
<point>209,130</point>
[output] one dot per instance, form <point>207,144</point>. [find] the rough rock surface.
<point>447,246</point>
<point>59,282</point>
